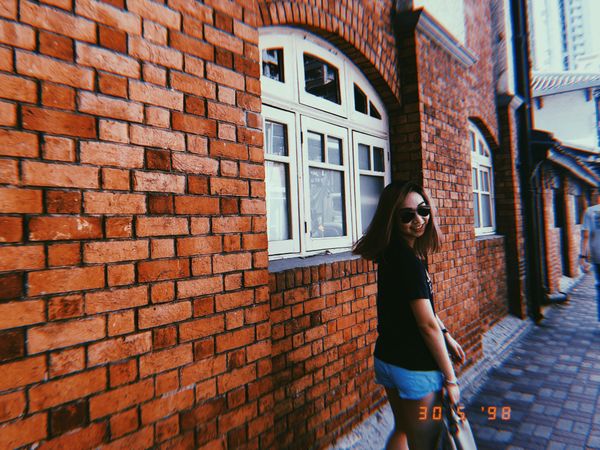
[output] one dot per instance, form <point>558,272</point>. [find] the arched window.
<point>326,144</point>
<point>483,183</point>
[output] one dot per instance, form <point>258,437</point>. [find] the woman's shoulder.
<point>403,256</point>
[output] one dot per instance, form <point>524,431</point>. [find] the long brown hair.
<point>383,226</point>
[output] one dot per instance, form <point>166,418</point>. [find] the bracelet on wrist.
<point>454,382</point>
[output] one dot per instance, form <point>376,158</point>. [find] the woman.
<point>411,352</point>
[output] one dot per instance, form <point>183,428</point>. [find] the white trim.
<point>482,163</point>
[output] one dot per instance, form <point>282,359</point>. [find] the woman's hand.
<point>453,392</point>
<point>455,349</point>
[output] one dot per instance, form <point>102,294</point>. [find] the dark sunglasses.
<point>408,215</point>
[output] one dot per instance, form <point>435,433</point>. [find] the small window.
<point>321,79</point>
<point>483,183</point>
<point>272,64</point>
<point>373,111</point>
<point>360,100</point>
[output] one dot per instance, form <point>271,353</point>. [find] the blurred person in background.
<point>590,244</point>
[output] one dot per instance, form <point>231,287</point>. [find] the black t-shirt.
<point>401,277</point>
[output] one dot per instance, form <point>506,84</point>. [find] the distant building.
<point>567,105</point>
<point>563,35</point>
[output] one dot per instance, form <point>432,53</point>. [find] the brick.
<point>17,35</point>
<point>163,270</point>
<point>140,440</point>
<point>22,373</point>
<point>224,76</point>
<point>65,334</point>
<point>235,418</point>
<point>109,203</point>
<point>17,314</point>
<point>124,423</point>
<point>63,202</point>
<point>102,105</point>
<point>9,174</point>
<point>121,323</point>
<point>165,360</point>
<point>155,32</point>
<point>154,95</point>
<point>115,299</point>
<point>236,378</point>
<point>51,69</point>
<point>12,405</point>
<point>8,114</point>
<point>189,45</point>
<point>156,12</point>
<point>163,56</point>
<point>162,292</point>
<point>66,389</point>
<point>191,84</point>
<point>22,432</point>
<point>250,206</point>
<point>107,60</point>
<point>158,117</point>
<point>64,228</point>
<point>65,307</point>
<point>17,88</point>
<point>235,339</point>
<point>58,96</point>
<point>232,262</point>
<point>114,131</point>
<point>22,257</point>
<point>13,346</point>
<point>161,226</point>
<point>200,11</point>
<point>119,348</point>
<point>115,251</point>
<point>121,274</point>
<point>106,154</point>
<point>58,122</point>
<point>65,280</point>
<point>231,224</point>
<point>59,175</point>
<point>185,162</point>
<point>228,186</point>
<point>154,74</point>
<point>119,227</point>
<point>67,361</point>
<point>198,245</point>
<point>11,229</point>
<point>158,315</point>
<point>166,406</point>
<point>52,19</point>
<point>196,205</point>
<point>9,9</point>
<point>197,287</point>
<point>108,15</point>
<point>223,40</point>
<point>152,137</point>
<point>58,149</point>
<point>194,124</point>
<point>68,417</point>
<point>162,248</point>
<point>230,150</point>
<point>83,439</point>
<point>64,254</point>
<point>233,300</point>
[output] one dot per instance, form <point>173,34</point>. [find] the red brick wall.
<point>491,282</point>
<point>133,264</point>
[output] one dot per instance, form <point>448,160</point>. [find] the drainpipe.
<point>527,163</point>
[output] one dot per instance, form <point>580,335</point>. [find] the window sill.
<point>487,237</point>
<point>281,265</point>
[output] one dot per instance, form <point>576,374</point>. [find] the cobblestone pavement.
<point>550,383</point>
<point>546,383</point>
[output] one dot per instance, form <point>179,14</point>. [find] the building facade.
<point>180,187</point>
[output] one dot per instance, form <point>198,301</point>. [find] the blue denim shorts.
<point>411,384</point>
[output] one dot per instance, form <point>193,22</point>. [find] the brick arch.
<point>372,50</point>
<point>490,138</point>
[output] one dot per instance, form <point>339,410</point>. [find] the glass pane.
<point>472,140</point>
<point>276,138</point>
<point>480,144</point>
<point>373,111</point>
<point>315,147</point>
<point>476,209</point>
<point>278,202</point>
<point>272,64</point>
<point>334,151</point>
<point>363,157</point>
<point>360,100</point>
<point>378,159</point>
<point>321,79</point>
<point>486,210</point>
<point>475,185</point>
<point>327,212</point>
<point>485,181</point>
<point>370,190</point>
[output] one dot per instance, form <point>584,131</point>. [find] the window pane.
<point>272,64</point>
<point>486,210</point>
<point>278,202</point>
<point>360,100</point>
<point>480,144</point>
<point>334,150</point>
<point>315,147</point>
<point>373,111</point>
<point>321,79</point>
<point>327,213</point>
<point>472,140</point>
<point>476,209</point>
<point>378,159</point>
<point>485,181</point>
<point>276,139</point>
<point>363,157</point>
<point>370,190</point>
<point>475,185</point>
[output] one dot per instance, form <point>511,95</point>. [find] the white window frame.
<point>287,118</point>
<point>371,141</point>
<point>282,101</point>
<point>481,162</point>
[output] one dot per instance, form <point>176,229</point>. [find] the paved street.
<point>551,383</point>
